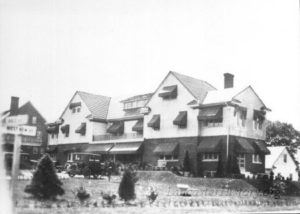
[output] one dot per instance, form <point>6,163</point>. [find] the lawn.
<point>207,194</point>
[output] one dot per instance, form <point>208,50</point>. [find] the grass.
<point>209,194</point>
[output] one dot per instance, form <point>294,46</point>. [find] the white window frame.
<point>284,158</point>
<point>256,158</point>
<point>164,158</point>
<point>241,158</point>
<point>211,123</point>
<point>210,157</point>
<point>70,157</point>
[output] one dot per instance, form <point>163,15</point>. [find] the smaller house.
<point>281,162</point>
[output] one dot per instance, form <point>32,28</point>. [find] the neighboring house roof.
<point>97,104</point>
<point>22,110</point>
<point>275,152</point>
<point>198,88</point>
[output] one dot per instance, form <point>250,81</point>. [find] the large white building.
<point>183,114</point>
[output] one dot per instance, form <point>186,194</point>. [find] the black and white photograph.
<point>149,106</point>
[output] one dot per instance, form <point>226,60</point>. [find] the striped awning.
<point>169,92</point>
<point>139,126</point>
<point>210,144</point>
<point>117,127</point>
<point>99,148</point>
<point>213,113</point>
<point>244,145</point>
<point>181,119</point>
<point>126,148</point>
<point>167,148</point>
<point>260,147</point>
<point>154,122</point>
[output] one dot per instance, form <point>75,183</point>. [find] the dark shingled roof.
<point>97,104</point>
<point>198,88</point>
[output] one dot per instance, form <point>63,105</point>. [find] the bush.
<point>186,162</point>
<point>82,194</point>
<point>45,183</point>
<point>127,186</point>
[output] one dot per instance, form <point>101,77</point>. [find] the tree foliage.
<point>127,186</point>
<point>45,183</point>
<point>186,162</point>
<point>282,134</point>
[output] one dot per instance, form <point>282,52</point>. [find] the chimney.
<point>14,105</point>
<point>228,80</point>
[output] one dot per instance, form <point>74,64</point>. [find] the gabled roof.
<point>275,152</point>
<point>97,104</point>
<point>198,88</point>
<point>23,109</point>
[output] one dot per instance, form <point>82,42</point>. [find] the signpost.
<point>15,125</point>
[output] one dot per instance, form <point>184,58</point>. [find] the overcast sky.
<point>49,49</point>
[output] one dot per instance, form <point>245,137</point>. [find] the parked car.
<point>86,164</point>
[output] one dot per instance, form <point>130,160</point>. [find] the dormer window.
<point>75,107</point>
<point>169,92</point>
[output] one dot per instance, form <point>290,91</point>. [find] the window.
<point>210,157</point>
<point>33,120</point>
<point>73,110</point>
<point>168,157</point>
<point>212,123</point>
<point>285,158</point>
<point>241,160</point>
<point>39,135</point>
<point>256,158</point>
<point>78,109</point>
<point>70,157</point>
<point>35,150</point>
<point>241,115</point>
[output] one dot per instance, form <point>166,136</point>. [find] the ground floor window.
<point>70,157</point>
<point>256,158</point>
<point>210,157</point>
<point>210,174</point>
<point>168,157</point>
<point>241,161</point>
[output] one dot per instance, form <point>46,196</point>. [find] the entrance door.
<point>241,162</point>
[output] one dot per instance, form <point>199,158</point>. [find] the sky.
<point>51,48</point>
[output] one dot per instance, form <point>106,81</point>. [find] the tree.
<point>282,134</point>
<point>220,168</point>
<point>232,167</point>
<point>45,183</point>
<point>186,162</point>
<point>126,188</point>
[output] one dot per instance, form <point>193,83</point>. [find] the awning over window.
<point>168,148</point>
<point>210,144</point>
<point>53,129</point>
<point>244,146</point>
<point>139,126</point>
<point>213,113</point>
<point>117,127</point>
<point>258,115</point>
<point>51,149</point>
<point>73,147</point>
<point>181,119</point>
<point>65,129</point>
<point>74,105</point>
<point>154,122</point>
<point>81,129</point>
<point>126,148</point>
<point>261,147</point>
<point>169,92</point>
<point>99,148</point>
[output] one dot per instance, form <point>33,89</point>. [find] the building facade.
<point>183,115</point>
<point>33,146</point>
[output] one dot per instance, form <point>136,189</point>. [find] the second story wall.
<point>233,125</point>
<point>168,109</point>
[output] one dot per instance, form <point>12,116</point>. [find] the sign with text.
<point>17,120</point>
<point>23,130</point>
